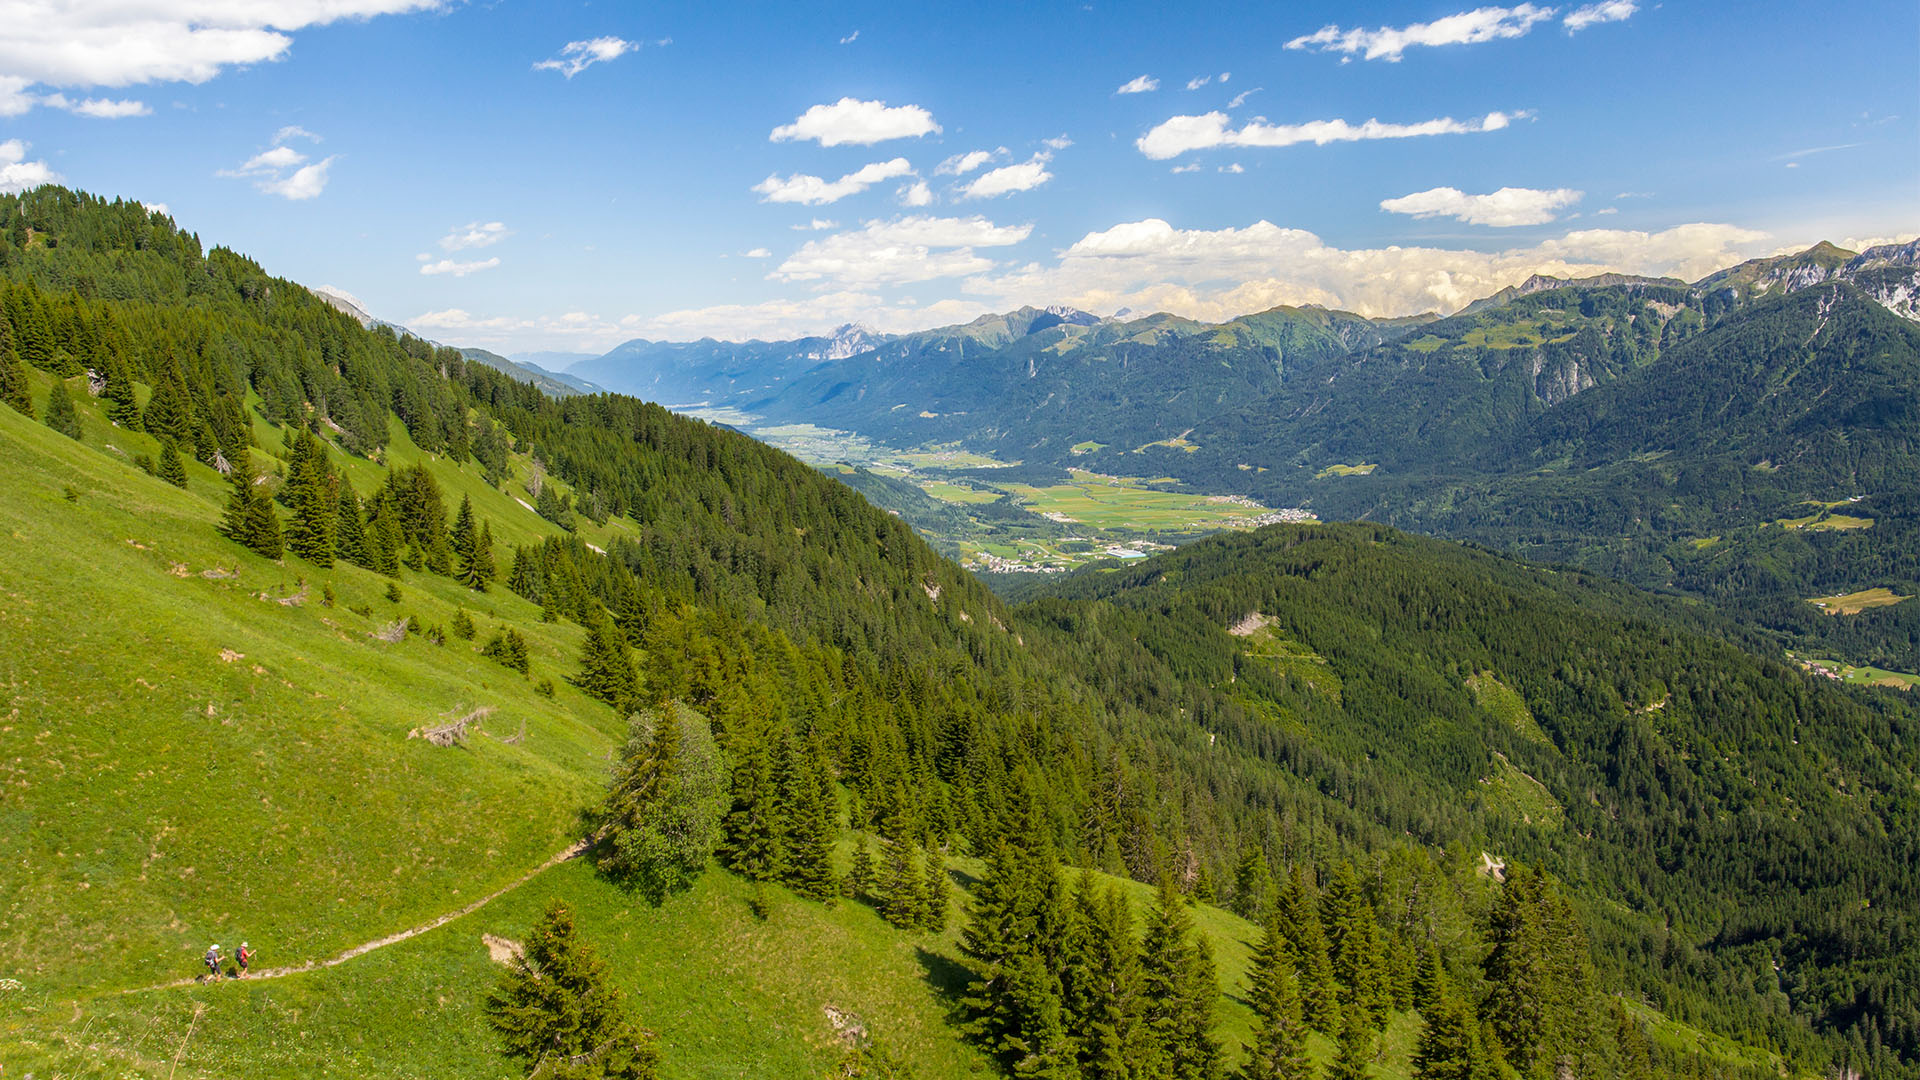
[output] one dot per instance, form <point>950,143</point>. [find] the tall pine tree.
<point>1300,919</point>
<point>60,414</point>
<point>1279,1048</point>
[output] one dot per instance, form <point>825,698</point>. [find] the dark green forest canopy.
<point>1718,813</point>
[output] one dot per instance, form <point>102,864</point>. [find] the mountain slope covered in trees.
<point>350,723</point>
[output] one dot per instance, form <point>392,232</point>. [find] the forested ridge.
<point>1707,814</point>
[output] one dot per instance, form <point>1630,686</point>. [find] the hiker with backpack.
<point>244,957</point>
<point>213,961</point>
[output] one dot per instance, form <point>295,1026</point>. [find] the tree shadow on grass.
<point>947,976</point>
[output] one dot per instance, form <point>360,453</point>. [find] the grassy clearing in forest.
<point>1854,603</point>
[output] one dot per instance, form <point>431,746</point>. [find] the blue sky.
<point>461,169</point>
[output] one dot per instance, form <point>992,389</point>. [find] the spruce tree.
<point>462,624</point>
<point>1449,1047</point>
<point>861,875</point>
<point>1354,941</point>
<point>170,468</point>
<point>1279,1048</point>
<point>312,500</point>
<point>1353,1053</point>
<point>262,524</point>
<point>464,534</point>
<point>1251,884</point>
<point>936,896</point>
<point>754,828</point>
<point>169,414</point>
<point>350,529</point>
<point>1011,943</point>
<point>481,570</point>
<point>60,414</point>
<point>1300,919</point>
<point>123,407</point>
<point>606,665</point>
<point>812,825</point>
<point>902,893</point>
<point>13,378</point>
<point>558,1013</point>
<point>1100,983</point>
<point>1177,984</point>
<point>384,535</point>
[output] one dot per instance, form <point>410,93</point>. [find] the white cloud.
<point>1197,83</point>
<point>814,191</point>
<point>156,207</point>
<point>850,121</point>
<point>1605,12</point>
<point>1217,274</point>
<point>457,269</point>
<point>1225,75</point>
<point>1180,134</point>
<point>757,253</point>
<point>280,157</point>
<point>474,234</point>
<point>1235,167</point>
<point>17,173</point>
<point>304,183</point>
<point>1191,166</point>
<point>916,194</point>
<point>577,329</point>
<point>1387,42</point>
<point>1008,179</point>
<point>850,38</point>
<point>132,42</point>
<point>274,170</point>
<point>101,108</point>
<point>1506,207</point>
<point>294,131</point>
<point>1606,210</point>
<point>815,225</point>
<point>896,252</point>
<point>962,164</point>
<point>1139,84</point>
<point>1058,142</point>
<point>1240,98</point>
<point>577,56</point>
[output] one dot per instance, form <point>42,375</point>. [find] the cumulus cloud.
<point>962,164</point>
<point>1506,207</point>
<point>815,191</point>
<point>431,268</point>
<point>1008,179</point>
<point>1058,142</point>
<point>281,170</point>
<point>1139,84</point>
<point>304,183</point>
<point>852,122</point>
<point>1180,134</point>
<point>1235,167</point>
<point>474,234</point>
<point>816,225</point>
<point>577,56</point>
<point>901,251</point>
<point>17,173</point>
<point>1217,274</point>
<point>1608,11</point>
<point>916,194</point>
<point>1388,42</point>
<point>757,253</point>
<point>147,41</point>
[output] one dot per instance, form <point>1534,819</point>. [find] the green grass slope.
<point>186,762</point>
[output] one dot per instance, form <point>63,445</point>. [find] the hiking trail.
<point>364,948</point>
